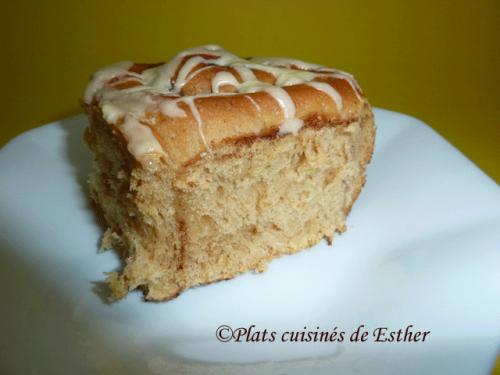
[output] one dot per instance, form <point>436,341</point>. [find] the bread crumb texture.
<point>228,212</point>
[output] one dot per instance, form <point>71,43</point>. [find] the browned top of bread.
<point>206,97</point>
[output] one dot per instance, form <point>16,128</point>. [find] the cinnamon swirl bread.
<point>212,165</point>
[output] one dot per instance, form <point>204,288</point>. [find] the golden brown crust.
<point>197,170</point>
<point>234,117</point>
<point>360,138</point>
<point>229,118</point>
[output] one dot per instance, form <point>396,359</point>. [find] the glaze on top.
<point>160,88</point>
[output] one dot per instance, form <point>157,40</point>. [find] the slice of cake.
<point>212,165</point>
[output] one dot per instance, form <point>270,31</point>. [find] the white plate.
<point>423,248</point>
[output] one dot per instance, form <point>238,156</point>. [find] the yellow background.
<point>436,60</point>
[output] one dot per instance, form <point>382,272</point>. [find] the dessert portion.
<point>212,165</point>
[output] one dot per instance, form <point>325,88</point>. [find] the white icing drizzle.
<point>197,71</point>
<point>223,78</point>
<point>163,77</point>
<point>196,114</point>
<point>284,100</point>
<point>290,124</point>
<point>182,76</point>
<point>318,70</point>
<point>351,81</point>
<point>115,105</point>
<point>132,104</point>
<point>293,77</point>
<point>171,109</point>
<point>253,86</point>
<point>290,63</point>
<point>254,103</point>
<point>140,138</point>
<point>166,71</point>
<point>245,73</point>
<point>330,91</point>
<point>101,77</point>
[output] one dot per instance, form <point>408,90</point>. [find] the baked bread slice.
<point>212,165</point>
